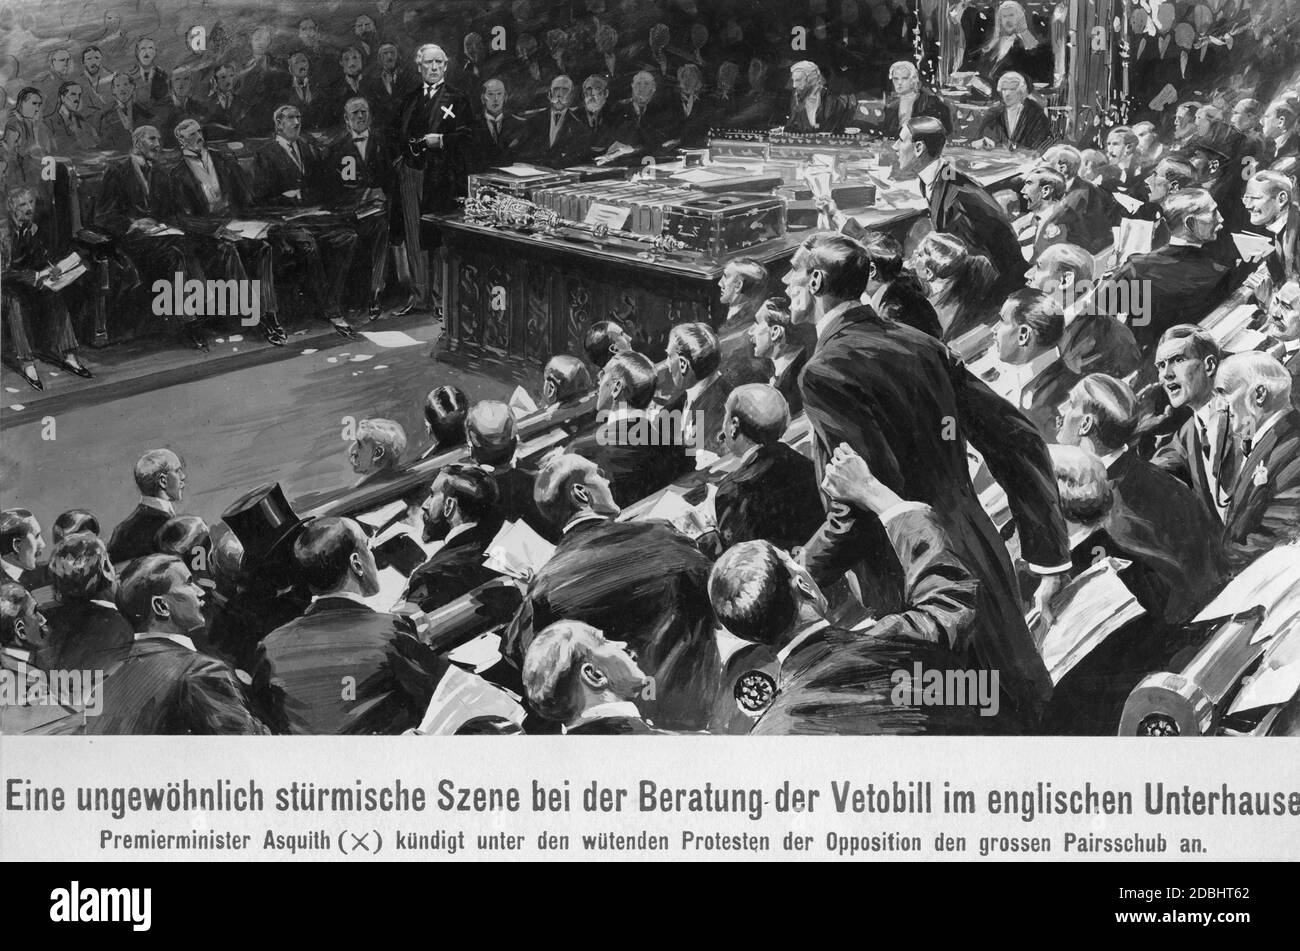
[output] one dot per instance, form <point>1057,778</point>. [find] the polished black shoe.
<point>78,368</point>
<point>273,337</point>
<point>33,378</point>
<point>195,336</point>
<point>343,330</point>
<point>374,312</point>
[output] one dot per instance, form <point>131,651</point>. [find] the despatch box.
<point>715,225</point>
<point>520,186</point>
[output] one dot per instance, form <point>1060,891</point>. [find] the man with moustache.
<point>1269,199</point>
<point>600,125</point>
<point>462,511</point>
<point>1279,133</point>
<point>554,137</point>
<point>1201,453</point>
<point>641,122</point>
<point>1283,328</point>
<point>150,80</point>
<point>296,679</point>
<point>346,87</point>
<point>433,131</point>
<point>386,84</point>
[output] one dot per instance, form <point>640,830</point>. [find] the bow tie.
<point>360,138</point>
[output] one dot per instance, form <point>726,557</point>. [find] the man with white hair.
<point>1017,122</point>
<point>434,133</point>
<point>1264,510</point>
<point>1270,201</point>
<point>813,108</point>
<point>377,450</point>
<point>910,99</point>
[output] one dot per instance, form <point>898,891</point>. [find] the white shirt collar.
<point>1266,426</point>
<point>930,173</point>
<point>749,454</point>
<point>1177,242</point>
<point>1024,373</point>
<point>781,363</point>
<point>1013,116</point>
<point>1278,226</point>
<point>180,639</point>
<point>162,505</point>
<point>693,392</point>
<point>784,653</point>
<point>285,143</point>
<point>605,711</point>
<point>104,604</point>
<point>12,570</point>
<point>460,529</point>
<point>831,314</point>
<point>579,519</point>
<point>346,595</point>
<point>1109,459</point>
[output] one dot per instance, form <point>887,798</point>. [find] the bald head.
<point>490,432</point>
<point>756,414</point>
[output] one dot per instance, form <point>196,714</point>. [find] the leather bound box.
<point>715,225</point>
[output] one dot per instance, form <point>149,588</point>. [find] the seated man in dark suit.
<point>228,114</point>
<point>1097,209</point>
<point>163,684</point>
<point>1154,516</point>
<point>575,677</point>
<point>26,299</point>
<point>600,120</point>
<point>497,135</point>
<point>301,678</point>
<point>603,340</point>
<point>834,681</point>
<point>777,337</point>
<point>1264,510</point>
<point>1051,219</point>
<point>1032,375</point>
<point>813,107</point>
<point>1283,329</point>
<point>160,477</point>
<point>1185,280</point>
<point>71,132</point>
<point>445,409</point>
<point>1121,152</point>
<point>958,204</point>
<point>602,567</point>
<point>132,203</point>
<point>493,442</point>
<point>1017,122</point>
<point>638,454</point>
<point>21,545</point>
<point>694,361</point>
<point>347,85</point>
<point>1279,132</point>
<point>178,106</point>
<point>910,99</point>
<point>358,179</point>
<point>773,495</point>
<point>387,84</point>
<point>463,512</point>
<point>555,137</point>
<point>87,631</point>
<point>206,190</point>
<point>1092,343</point>
<point>688,114</point>
<point>288,171</point>
<point>641,122</point>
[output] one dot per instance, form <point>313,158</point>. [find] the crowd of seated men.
<point>841,441</point>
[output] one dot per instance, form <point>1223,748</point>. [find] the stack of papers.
<point>246,229</point>
<point>70,267</point>
<point>521,404</point>
<point>518,552</point>
<point>460,697</point>
<point>1088,610</point>
<point>1252,247</point>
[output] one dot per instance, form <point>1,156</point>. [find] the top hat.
<point>265,524</point>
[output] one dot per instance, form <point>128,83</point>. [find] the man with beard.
<point>600,568</point>
<point>813,107</point>
<point>461,512</point>
<point>303,669</point>
<point>599,125</point>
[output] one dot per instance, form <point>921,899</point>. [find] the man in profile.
<point>160,477</point>
<point>343,667</point>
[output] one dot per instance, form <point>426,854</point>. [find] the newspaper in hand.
<point>1089,609</point>
<point>518,552</point>
<point>460,697</point>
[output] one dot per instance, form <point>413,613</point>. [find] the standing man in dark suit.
<point>26,298</point>
<point>813,107</point>
<point>1182,282</point>
<point>829,680</point>
<point>600,568</point>
<point>164,685</point>
<point>205,190</point>
<point>861,387</point>
<point>1201,454</point>
<point>1032,375</point>
<point>343,667</point>
<point>358,177</point>
<point>1264,510</point>
<point>638,455</point>
<point>491,436</point>
<point>958,204</point>
<point>575,677</point>
<point>152,84</point>
<point>1154,517</point>
<point>289,171</point>
<point>132,205</point>
<point>554,137</point>
<point>119,119</point>
<point>160,477</point>
<point>87,632</point>
<point>498,135</point>
<point>433,130</point>
<point>1017,122</point>
<point>773,495</point>
<point>462,512</point>
<point>387,85</point>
